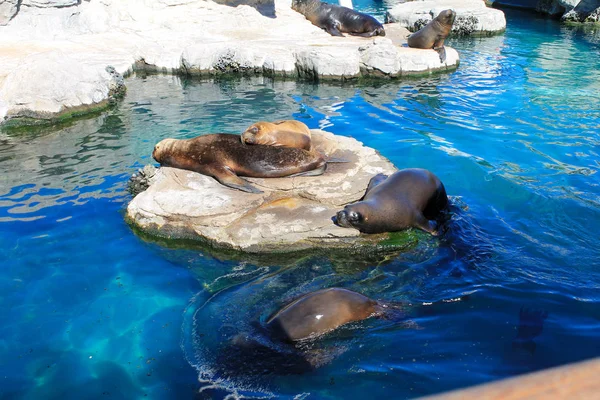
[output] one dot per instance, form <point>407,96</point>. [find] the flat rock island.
<point>293,213</point>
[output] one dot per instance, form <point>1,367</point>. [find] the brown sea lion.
<point>432,35</point>
<point>319,312</point>
<point>224,157</point>
<point>285,133</point>
<point>407,198</point>
<point>337,19</point>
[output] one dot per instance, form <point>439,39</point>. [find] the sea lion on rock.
<point>337,19</point>
<point>285,133</point>
<point>408,198</point>
<point>224,157</point>
<point>317,313</point>
<point>432,35</point>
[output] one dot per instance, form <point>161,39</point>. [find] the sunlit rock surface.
<point>293,213</point>
<point>472,16</point>
<point>66,45</point>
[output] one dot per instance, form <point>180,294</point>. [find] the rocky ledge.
<point>473,17</point>
<point>54,54</point>
<point>292,214</point>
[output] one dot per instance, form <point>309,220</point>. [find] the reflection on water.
<point>91,310</point>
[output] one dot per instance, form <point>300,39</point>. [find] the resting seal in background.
<point>432,35</point>
<point>285,133</point>
<point>337,19</point>
<point>224,157</point>
<point>407,198</point>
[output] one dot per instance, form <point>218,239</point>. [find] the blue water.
<point>90,310</point>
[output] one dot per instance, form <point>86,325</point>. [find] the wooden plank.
<point>573,381</point>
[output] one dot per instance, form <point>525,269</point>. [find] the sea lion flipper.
<point>312,172</point>
<point>332,27</point>
<point>423,223</point>
<point>228,178</point>
<point>442,52</point>
<point>376,180</point>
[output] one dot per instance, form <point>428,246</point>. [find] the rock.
<point>473,18</point>
<point>584,11</point>
<point>8,9</point>
<point>141,180</point>
<point>179,37</point>
<point>47,84</point>
<point>550,7</point>
<point>292,214</point>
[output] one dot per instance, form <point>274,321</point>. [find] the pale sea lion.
<point>224,157</point>
<point>285,133</point>
<point>317,313</point>
<point>407,198</point>
<point>432,35</point>
<point>337,19</point>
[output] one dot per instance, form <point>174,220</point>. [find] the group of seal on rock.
<point>275,153</point>
<point>337,20</point>
<point>408,198</point>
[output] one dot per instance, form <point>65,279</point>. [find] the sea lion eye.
<point>354,216</point>
<point>254,130</point>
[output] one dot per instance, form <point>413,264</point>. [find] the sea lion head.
<point>354,215</point>
<point>160,149</point>
<point>446,17</point>
<point>252,133</point>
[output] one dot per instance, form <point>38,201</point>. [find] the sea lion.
<point>432,35</point>
<point>407,198</point>
<point>337,19</point>
<point>317,313</point>
<point>224,157</point>
<point>285,133</point>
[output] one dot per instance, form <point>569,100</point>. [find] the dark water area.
<point>90,310</point>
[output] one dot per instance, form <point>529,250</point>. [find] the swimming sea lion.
<point>285,133</point>
<point>319,312</point>
<point>224,157</point>
<point>407,198</point>
<point>337,19</point>
<point>432,35</point>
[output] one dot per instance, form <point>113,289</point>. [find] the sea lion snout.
<point>448,16</point>
<point>347,218</point>
<point>248,138</point>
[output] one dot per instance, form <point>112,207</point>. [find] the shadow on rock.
<point>265,7</point>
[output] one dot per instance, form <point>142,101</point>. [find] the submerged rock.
<point>292,214</point>
<point>473,18</point>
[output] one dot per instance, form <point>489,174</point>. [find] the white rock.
<point>472,16</point>
<point>8,8</point>
<point>292,213</point>
<point>46,84</point>
<point>177,36</point>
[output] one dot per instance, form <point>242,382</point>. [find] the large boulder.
<point>292,214</point>
<point>473,17</point>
